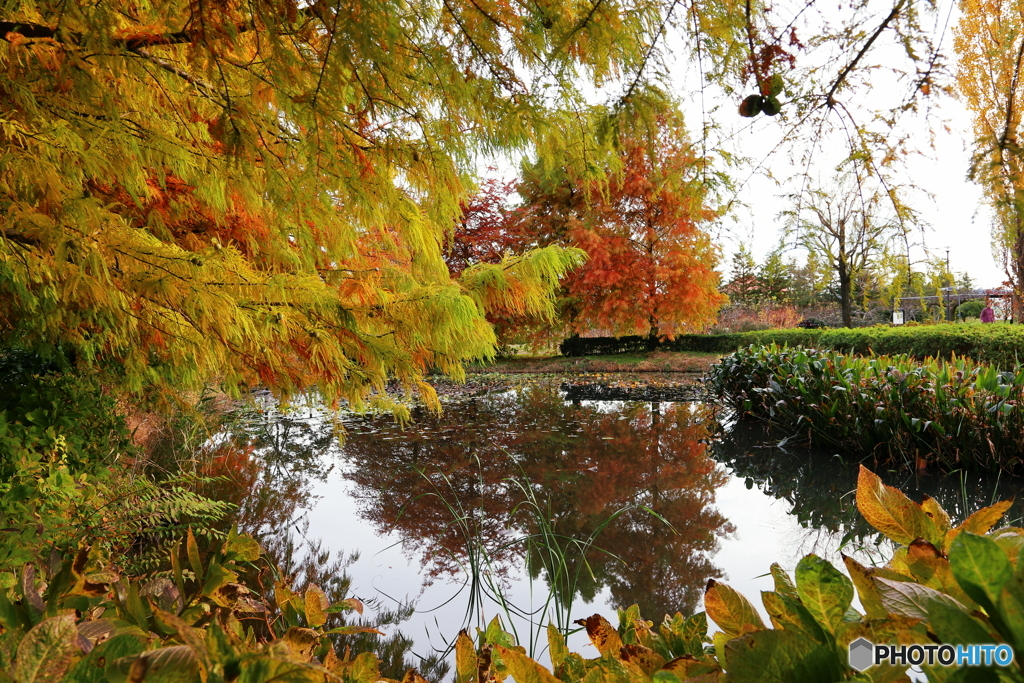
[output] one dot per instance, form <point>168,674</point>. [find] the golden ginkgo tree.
<point>990,59</point>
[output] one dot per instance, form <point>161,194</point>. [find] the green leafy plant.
<point>953,413</point>
<point>945,584</point>
<point>75,619</point>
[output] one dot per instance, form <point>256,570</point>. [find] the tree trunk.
<point>652,333</point>
<point>845,294</point>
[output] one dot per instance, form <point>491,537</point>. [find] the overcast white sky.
<point>950,206</point>
<point>955,214</point>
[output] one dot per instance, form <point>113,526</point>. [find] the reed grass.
<point>561,559</point>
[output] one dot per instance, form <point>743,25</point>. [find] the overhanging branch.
<point>34,30</point>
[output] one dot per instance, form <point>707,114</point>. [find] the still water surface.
<point>601,503</point>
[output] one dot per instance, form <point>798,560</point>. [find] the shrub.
<point>970,309</point>
<point>595,346</point>
<point>42,409</point>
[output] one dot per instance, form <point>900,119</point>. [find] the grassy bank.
<point>999,344</point>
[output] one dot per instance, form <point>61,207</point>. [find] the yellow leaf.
<point>731,611</point>
<point>892,513</point>
<point>602,634</point>
<point>983,520</point>
<point>524,669</point>
<point>316,603</point>
<point>466,662</point>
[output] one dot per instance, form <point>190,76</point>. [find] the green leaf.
<point>46,651</point>
<point>243,546</point>
<point>136,608</point>
<point>939,517</point>
<point>218,576</point>
<point>954,626</point>
<point>731,611</point>
<point>908,599</point>
<point>663,676</point>
<point>346,605</point>
<point>980,567</point>
<point>824,591</point>
<point>351,630</point>
<point>783,584</point>
<point>719,640</point>
<point>9,617</point>
<point>788,613</point>
<point>91,669</point>
<point>557,649</point>
<point>684,636</point>
<point>774,656</point>
<point>1010,608</point>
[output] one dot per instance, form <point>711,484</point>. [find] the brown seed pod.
<point>751,106</point>
<point>771,106</point>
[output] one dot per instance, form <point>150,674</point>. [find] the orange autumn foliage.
<point>651,266</point>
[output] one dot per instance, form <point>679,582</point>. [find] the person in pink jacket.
<point>987,314</point>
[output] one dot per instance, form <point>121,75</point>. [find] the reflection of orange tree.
<point>582,464</point>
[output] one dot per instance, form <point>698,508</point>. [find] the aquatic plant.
<point>900,411</point>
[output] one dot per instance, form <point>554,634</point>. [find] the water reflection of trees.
<point>578,465</point>
<point>820,485</point>
<point>266,464</point>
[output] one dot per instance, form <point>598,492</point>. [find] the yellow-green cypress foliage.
<point>259,192</point>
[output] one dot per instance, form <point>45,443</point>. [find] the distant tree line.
<point>790,284</point>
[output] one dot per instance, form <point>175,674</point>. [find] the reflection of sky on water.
<point>809,507</point>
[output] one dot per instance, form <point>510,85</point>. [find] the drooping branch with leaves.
<point>258,192</point>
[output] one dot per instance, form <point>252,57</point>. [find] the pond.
<point>539,505</point>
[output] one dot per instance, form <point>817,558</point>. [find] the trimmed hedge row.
<point>999,344</point>
<point>599,346</point>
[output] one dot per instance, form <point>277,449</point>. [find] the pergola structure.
<point>951,298</point>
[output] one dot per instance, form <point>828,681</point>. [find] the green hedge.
<point>599,346</point>
<point>998,344</point>
<point>895,409</point>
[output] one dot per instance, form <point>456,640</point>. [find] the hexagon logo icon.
<point>862,654</point>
